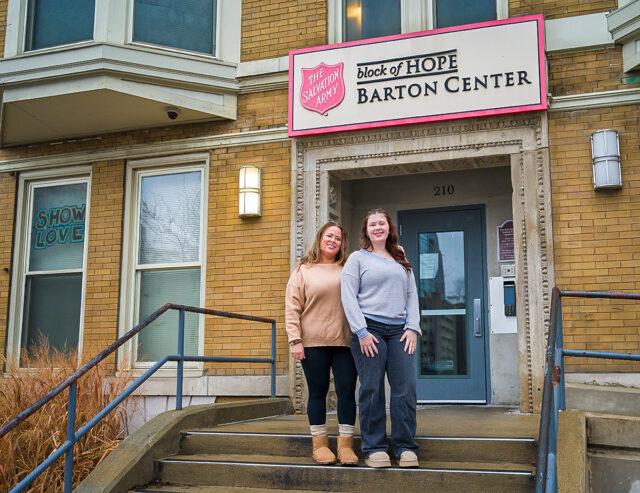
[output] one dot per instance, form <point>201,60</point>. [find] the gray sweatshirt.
<point>380,289</point>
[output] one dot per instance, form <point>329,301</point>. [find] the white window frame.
<point>27,182</point>
<point>113,24</point>
<point>15,36</point>
<point>217,40</point>
<point>416,15</point>
<point>136,170</point>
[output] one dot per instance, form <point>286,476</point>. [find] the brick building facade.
<point>96,110</point>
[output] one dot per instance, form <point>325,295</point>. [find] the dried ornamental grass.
<point>23,448</point>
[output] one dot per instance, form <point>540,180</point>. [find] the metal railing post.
<point>559,361</point>
<point>273,357</point>
<point>558,403</point>
<point>180,372</point>
<point>71,437</point>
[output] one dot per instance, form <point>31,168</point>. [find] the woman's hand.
<point>410,338</point>
<point>297,351</point>
<point>368,346</point>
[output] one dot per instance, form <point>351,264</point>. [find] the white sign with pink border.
<point>491,68</point>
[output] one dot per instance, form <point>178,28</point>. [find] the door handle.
<point>477,317</point>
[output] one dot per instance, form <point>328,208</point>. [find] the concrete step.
<point>458,421</point>
<point>181,488</point>
<point>516,450</point>
<point>304,460</point>
<point>299,472</point>
<point>603,399</point>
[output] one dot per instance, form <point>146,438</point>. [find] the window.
<point>186,25</point>
<point>351,20</point>
<point>457,12</point>
<point>167,258</point>
<point>370,18</point>
<point>58,22</point>
<point>50,261</point>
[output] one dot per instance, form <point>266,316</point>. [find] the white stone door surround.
<point>520,140</point>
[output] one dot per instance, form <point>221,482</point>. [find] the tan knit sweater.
<point>313,311</point>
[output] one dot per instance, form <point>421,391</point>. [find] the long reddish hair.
<point>391,245</point>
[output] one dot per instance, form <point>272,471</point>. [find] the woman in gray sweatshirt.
<point>380,302</point>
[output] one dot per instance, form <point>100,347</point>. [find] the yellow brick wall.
<point>7,200</point>
<point>597,234</point>
<point>272,28</point>
<point>248,259</point>
<point>3,24</point>
<point>256,111</point>
<point>103,259</point>
<point>553,9</point>
<point>588,71</point>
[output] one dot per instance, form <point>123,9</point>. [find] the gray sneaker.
<point>378,460</point>
<point>408,459</point>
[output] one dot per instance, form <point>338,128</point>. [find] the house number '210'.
<point>444,190</point>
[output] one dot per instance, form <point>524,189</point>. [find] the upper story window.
<point>58,22</point>
<point>457,12</point>
<point>125,52</point>
<point>371,18</point>
<point>187,25</point>
<point>192,26</point>
<point>351,20</point>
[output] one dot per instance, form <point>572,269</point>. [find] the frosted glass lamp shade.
<point>605,153</point>
<point>249,191</point>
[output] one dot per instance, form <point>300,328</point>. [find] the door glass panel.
<point>52,310</point>
<point>57,227</point>
<point>370,18</point>
<point>170,218</point>
<point>160,338</point>
<point>442,291</point>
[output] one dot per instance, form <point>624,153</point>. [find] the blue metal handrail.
<point>553,394</point>
<point>71,383</point>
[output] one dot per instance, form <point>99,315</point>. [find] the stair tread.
<point>308,461</point>
<point>179,488</point>
<point>222,431</point>
<point>432,421</point>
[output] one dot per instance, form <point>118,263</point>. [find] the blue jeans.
<point>401,372</point>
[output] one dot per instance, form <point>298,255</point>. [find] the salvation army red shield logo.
<point>322,87</point>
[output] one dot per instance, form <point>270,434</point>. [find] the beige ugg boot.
<point>321,452</point>
<point>346,455</point>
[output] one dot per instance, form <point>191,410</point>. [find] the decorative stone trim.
<point>178,146</point>
<point>522,141</point>
<point>604,99</point>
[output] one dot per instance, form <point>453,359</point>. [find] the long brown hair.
<point>391,244</point>
<point>313,254</point>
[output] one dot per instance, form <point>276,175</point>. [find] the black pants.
<point>316,365</point>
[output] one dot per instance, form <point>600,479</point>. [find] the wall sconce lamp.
<point>605,153</point>
<point>249,191</point>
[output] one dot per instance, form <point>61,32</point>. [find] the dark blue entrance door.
<point>446,248</point>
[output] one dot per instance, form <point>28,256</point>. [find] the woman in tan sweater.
<point>319,337</point>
